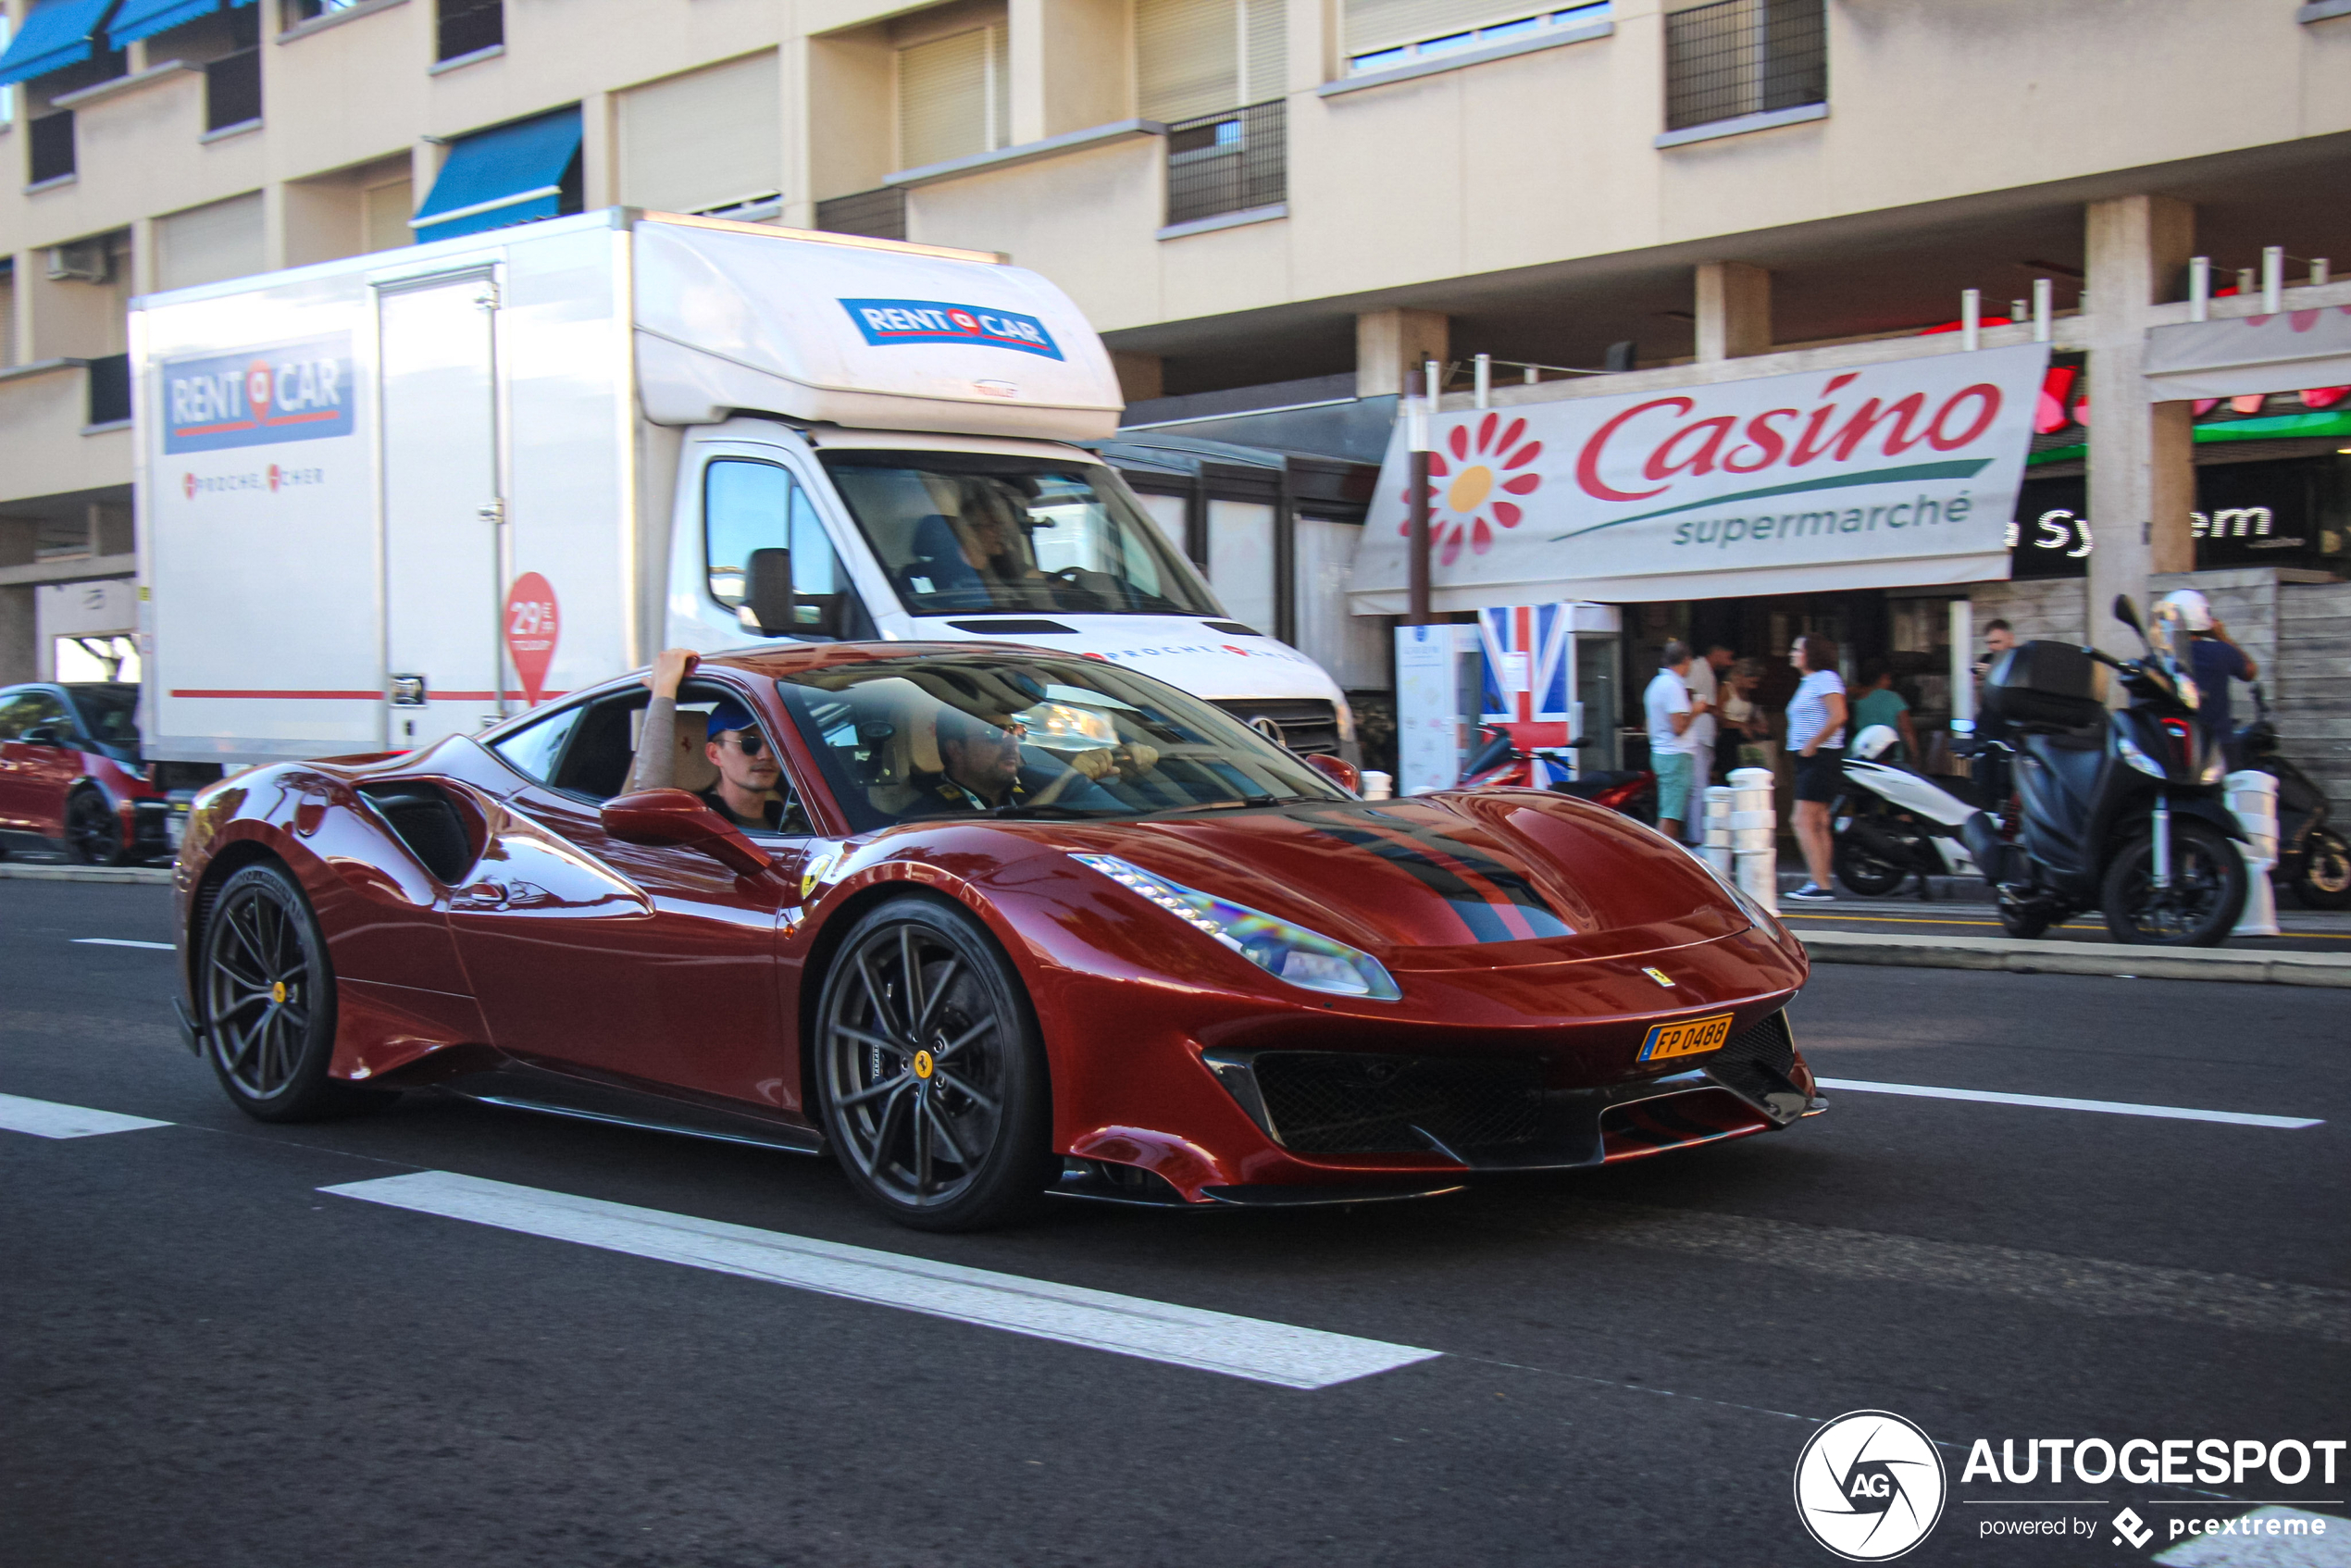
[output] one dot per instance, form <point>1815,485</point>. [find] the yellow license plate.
<point>1686,1038</point>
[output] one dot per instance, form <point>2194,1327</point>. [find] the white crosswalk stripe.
<point>121,942</point>
<point>46,1118</point>
<point>1211,1341</point>
<point>2058,1103</point>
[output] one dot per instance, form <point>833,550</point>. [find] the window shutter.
<point>207,244</point>
<point>708,139</point>
<point>946,108</point>
<point>1266,35</point>
<point>1187,58</point>
<point>1372,25</point>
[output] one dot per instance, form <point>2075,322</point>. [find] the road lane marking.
<point>2058,1103</point>
<point>121,942</point>
<point>2092,1287</point>
<point>46,1118</point>
<point>1237,1346</point>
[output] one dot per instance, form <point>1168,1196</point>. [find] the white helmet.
<point>2196,610</point>
<point>1874,741</point>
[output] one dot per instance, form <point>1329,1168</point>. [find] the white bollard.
<point>1378,786</point>
<point>2253,801</point>
<point>1718,827</point>
<point>1754,826</point>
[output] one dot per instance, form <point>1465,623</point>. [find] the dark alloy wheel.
<point>2325,879</point>
<point>268,1002</point>
<point>2202,903</point>
<point>1863,861</point>
<point>932,1078</point>
<point>92,831</point>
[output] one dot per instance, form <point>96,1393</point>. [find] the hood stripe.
<point>1493,899</point>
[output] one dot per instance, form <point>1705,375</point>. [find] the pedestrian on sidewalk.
<point>1743,713</point>
<point>1880,704</point>
<point>1672,711</point>
<point>1706,700</point>
<point>2213,659</point>
<point>1816,731</point>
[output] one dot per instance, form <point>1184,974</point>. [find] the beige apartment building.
<point>1277,211</point>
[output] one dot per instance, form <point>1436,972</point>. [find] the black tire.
<point>266,996</point>
<point>2202,905</point>
<point>2324,882</point>
<point>943,1118</point>
<point>93,833</point>
<point>1864,871</point>
<point>2019,920</point>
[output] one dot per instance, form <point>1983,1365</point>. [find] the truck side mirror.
<point>680,817</point>
<point>767,590</point>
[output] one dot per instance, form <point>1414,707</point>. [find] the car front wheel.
<point>92,831</point>
<point>932,1076</point>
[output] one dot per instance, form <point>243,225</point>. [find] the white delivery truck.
<point>400,496</point>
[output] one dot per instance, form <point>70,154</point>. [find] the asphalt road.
<point>206,1360</point>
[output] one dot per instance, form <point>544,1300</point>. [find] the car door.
<point>644,962</point>
<point>44,775</point>
<point>16,710</point>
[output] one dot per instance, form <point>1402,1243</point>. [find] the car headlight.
<point>1286,951</point>
<point>2141,761</point>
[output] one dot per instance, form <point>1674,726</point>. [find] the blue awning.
<point>497,178</point>
<point>58,33</point>
<point>145,19</point>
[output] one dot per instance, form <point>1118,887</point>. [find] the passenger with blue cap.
<point>748,792</point>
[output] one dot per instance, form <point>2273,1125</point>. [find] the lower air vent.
<point>1349,1102</point>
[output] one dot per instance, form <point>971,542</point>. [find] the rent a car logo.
<point>290,391</point>
<point>936,321</point>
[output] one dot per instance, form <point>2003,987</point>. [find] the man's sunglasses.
<point>750,742</point>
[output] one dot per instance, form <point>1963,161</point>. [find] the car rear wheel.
<point>92,831</point>
<point>268,1002</point>
<point>932,1078</point>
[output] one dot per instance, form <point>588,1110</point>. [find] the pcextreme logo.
<point>1870,1485</point>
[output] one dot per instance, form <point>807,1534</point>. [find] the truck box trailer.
<point>400,496</point>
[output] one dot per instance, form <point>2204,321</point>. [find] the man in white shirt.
<point>1671,712</point>
<point>1701,680</point>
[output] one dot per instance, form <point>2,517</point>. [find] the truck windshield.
<point>981,734</point>
<point>964,531</point>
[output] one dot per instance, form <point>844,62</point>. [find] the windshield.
<point>109,713</point>
<point>1011,735</point>
<point>962,531</point>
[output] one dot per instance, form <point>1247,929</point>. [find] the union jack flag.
<point>1528,680</point>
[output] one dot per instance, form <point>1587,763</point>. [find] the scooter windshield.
<point>959,532</point>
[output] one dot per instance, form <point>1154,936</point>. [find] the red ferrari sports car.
<point>1003,922</point>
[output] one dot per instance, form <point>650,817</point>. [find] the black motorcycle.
<point>2314,862</point>
<point>2118,812</point>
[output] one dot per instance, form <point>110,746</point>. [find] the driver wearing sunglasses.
<point>749,792</point>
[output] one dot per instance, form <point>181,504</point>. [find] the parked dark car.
<point>72,778</point>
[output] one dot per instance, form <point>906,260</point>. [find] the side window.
<point>749,505</point>
<point>16,715</point>
<point>42,710</point>
<point>536,749</point>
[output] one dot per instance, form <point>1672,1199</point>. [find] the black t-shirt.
<point>771,817</point>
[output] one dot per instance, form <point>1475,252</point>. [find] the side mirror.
<point>767,590</point>
<point>41,735</point>
<point>2128,614</point>
<point>1339,771</point>
<point>680,817</point>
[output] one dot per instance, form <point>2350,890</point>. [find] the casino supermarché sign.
<point>1875,476</point>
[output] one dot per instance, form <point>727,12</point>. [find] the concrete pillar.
<point>1140,376</point>
<point>1391,345</point>
<point>19,649</point>
<point>1072,66</point>
<point>1734,310</point>
<point>599,179</point>
<point>2140,456</point>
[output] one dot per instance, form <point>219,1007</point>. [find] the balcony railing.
<point>1229,162</point>
<point>878,214</point>
<point>1739,57</point>
<point>232,89</point>
<point>109,390</point>
<point>49,152</point>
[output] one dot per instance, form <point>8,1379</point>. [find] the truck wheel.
<point>92,831</point>
<point>2325,881</point>
<point>930,1071</point>
<point>268,1001</point>
<point>2198,909</point>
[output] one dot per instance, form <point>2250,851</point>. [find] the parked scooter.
<point>1500,764</point>
<point>1892,821</point>
<point>2121,812</point>
<point>2314,862</point>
